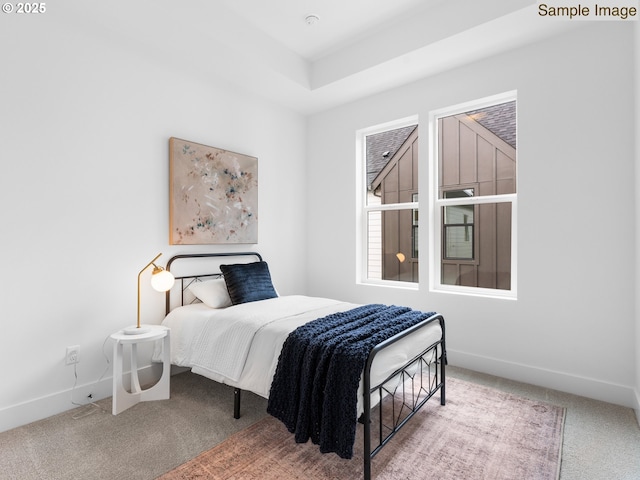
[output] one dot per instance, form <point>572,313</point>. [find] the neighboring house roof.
<point>498,119</point>
<point>381,147</point>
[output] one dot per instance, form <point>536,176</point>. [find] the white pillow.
<point>213,293</point>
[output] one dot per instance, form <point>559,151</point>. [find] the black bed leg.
<point>442,379</point>
<point>236,402</point>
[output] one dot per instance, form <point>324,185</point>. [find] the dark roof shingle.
<point>498,119</point>
<point>381,147</point>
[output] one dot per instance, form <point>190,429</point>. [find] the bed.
<point>229,324</point>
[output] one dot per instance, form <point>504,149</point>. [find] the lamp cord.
<point>75,382</point>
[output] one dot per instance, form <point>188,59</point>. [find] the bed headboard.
<point>196,267</point>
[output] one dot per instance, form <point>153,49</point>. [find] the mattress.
<point>240,345</point>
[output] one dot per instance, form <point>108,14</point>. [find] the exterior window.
<point>474,172</point>
<point>458,231</point>
<point>390,208</point>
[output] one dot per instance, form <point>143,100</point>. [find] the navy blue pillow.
<point>248,282</point>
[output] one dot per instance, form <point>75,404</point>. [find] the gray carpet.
<point>601,441</point>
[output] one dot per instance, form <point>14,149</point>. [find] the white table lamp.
<point>161,280</point>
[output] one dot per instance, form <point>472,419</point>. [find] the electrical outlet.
<point>73,355</point>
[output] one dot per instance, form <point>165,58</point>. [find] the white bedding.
<point>240,345</point>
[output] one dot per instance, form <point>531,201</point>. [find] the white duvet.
<point>240,345</point>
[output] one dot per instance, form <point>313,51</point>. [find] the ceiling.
<point>357,48</point>
<point>339,22</point>
<point>361,47</point>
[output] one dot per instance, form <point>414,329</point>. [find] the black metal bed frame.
<point>407,389</point>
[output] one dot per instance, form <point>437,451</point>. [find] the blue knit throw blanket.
<point>314,390</point>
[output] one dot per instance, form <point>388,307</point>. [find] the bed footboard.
<point>418,380</point>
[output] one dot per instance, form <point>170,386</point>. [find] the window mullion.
<point>391,206</point>
<point>506,198</point>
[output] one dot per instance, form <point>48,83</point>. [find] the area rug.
<point>481,433</point>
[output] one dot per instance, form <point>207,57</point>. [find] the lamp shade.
<point>161,280</point>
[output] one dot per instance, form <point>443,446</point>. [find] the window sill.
<point>390,284</point>
<point>475,292</point>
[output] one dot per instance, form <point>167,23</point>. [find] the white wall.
<point>85,119</point>
<point>572,326</point>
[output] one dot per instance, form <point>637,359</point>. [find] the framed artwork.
<point>213,195</point>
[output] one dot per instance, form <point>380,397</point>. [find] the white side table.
<point>122,399</point>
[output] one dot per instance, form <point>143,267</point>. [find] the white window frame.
<point>436,206</point>
<point>363,210</point>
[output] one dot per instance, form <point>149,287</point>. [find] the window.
<point>389,207</point>
<point>458,231</point>
<point>474,197</point>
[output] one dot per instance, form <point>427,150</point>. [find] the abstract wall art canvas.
<point>213,195</point>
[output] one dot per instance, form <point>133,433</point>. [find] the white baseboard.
<point>577,385</point>
<point>49,405</point>
<point>40,408</point>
